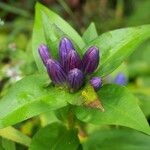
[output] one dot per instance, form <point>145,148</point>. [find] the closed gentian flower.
<point>44,53</point>
<point>90,60</point>
<point>73,61</point>
<point>55,72</point>
<point>120,79</point>
<point>65,46</point>
<point>96,82</point>
<point>75,79</point>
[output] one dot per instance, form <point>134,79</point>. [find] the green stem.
<point>70,120</point>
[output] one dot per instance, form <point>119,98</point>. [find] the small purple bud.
<point>44,53</point>
<point>75,79</point>
<point>96,82</point>
<point>55,72</point>
<point>73,61</point>
<point>90,60</point>
<point>65,46</point>
<point>120,79</point>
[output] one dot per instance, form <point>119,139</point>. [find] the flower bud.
<point>65,46</point>
<point>44,53</point>
<point>90,60</point>
<point>75,79</point>
<point>120,79</point>
<point>55,72</point>
<point>96,82</point>
<point>73,61</point>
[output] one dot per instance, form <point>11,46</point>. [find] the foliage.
<point>65,117</point>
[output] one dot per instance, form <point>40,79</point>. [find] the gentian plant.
<point>71,69</point>
<point>69,84</point>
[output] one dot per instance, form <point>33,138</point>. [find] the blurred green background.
<point>16,23</point>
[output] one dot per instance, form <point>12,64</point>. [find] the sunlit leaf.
<point>29,97</point>
<point>115,46</point>
<point>90,33</point>
<point>121,108</point>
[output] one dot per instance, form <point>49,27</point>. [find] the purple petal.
<point>75,79</point>
<point>90,60</point>
<point>73,61</point>
<point>56,72</point>
<point>44,53</point>
<point>65,46</point>
<point>96,82</point>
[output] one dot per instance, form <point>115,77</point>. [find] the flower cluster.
<point>71,69</point>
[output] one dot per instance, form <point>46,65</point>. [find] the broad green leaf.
<point>144,101</point>
<point>52,38</point>
<point>37,39</point>
<point>141,55</point>
<point>13,134</point>
<point>139,61</point>
<point>55,136</point>
<point>121,108</point>
<point>117,139</point>
<point>90,34</point>
<point>29,97</point>
<point>8,145</point>
<point>62,25</point>
<point>54,20</point>
<point>32,96</point>
<point>115,46</point>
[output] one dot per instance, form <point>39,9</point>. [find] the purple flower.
<point>71,68</point>
<point>90,60</point>
<point>75,79</point>
<point>55,72</point>
<point>120,79</point>
<point>96,82</point>
<point>65,46</point>
<point>73,61</point>
<point>44,53</point>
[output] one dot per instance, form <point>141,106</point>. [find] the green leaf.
<point>117,139</point>
<point>62,25</point>
<point>139,61</point>
<point>55,136</point>
<point>32,96</point>
<point>90,34</point>
<point>29,97</point>
<point>8,145</point>
<point>52,21</point>
<point>121,108</point>
<point>52,38</point>
<point>11,133</point>
<point>115,46</point>
<point>37,39</point>
<point>144,101</point>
